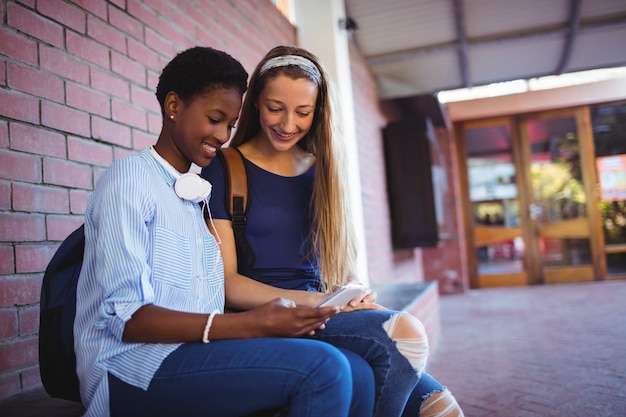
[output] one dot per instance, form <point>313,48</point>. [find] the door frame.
<point>533,271</point>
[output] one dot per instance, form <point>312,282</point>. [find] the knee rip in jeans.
<point>440,404</point>
<point>411,339</point>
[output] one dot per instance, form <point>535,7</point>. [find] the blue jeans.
<point>239,377</point>
<point>425,388</point>
<point>397,384</point>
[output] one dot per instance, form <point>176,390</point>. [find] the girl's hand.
<point>366,300</point>
<point>281,318</point>
<point>366,296</point>
<point>363,306</point>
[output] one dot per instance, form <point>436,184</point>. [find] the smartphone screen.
<point>342,296</point>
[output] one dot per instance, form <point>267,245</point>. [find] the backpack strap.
<point>237,199</point>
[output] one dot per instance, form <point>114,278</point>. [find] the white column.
<point>317,23</point>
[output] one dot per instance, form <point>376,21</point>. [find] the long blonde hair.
<point>332,233</point>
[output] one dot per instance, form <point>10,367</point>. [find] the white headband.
<point>299,61</point>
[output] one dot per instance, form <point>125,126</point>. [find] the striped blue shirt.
<point>144,245</point>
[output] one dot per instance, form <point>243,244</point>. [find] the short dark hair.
<point>199,70</point>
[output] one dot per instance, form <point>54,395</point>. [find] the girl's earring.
<point>172,116</point>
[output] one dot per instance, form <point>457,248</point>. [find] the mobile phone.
<point>341,297</point>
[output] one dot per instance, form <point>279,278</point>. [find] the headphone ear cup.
<point>192,187</point>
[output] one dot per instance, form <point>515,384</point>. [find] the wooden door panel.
<point>512,279</point>
<point>563,275</point>
<point>491,235</point>
<point>567,229</point>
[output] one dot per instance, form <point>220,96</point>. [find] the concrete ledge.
<point>420,299</point>
<point>37,403</point>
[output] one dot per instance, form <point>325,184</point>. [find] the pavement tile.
<point>548,350</point>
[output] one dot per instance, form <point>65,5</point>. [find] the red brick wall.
<point>447,262</point>
<point>385,266</point>
<point>77,82</point>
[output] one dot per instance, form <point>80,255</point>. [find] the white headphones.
<point>189,186</point>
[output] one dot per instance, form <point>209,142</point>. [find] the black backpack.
<point>57,360</point>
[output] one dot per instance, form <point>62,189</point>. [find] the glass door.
<point>531,200</point>
<point>497,249</point>
<point>609,136</point>
<point>562,244</point>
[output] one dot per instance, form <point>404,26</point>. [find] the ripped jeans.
<point>398,383</point>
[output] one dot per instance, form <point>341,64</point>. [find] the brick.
<point>67,173</point>
<point>35,82</point>
<point>8,324</point>
<point>205,21</point>
<point>9,385</point>
<point>3,78</point>
<point>87,49</point>
<point>162,7</point>
<point>97,172</point>
<point>157,42</point>
<point>35,140</point>
<point>100,31</point>
<point>140,53</point>
<point>110,84</point>
<point>119,153</point>
<point>126,23</point>
<point>78,201</point>
<point>96,7</point>
<point>29,3</point>
<point>24,290</point>
<point>228,23</point>
<point>34,25</point>
<point>60,227</point>
<point>65,119</point>
<point>129,115</point>
<point>19,354</point>
<point>111,132</point>
<point>32,258</point>
<point>5,195</point>
<point>127,68</point>
<point>31,378</point>
<point>28,320</point>
<point>153,78</point>
<point>7,260</point>
<point>64,13</point>
<point>142,140</point>
<point>208,36</point>
<point>18,47</point>
<point>185,17</point>
<point>88,100</point>
<point>155,123</point>
<point>4,134</point>
<point>89,152</point>
<point>40,198</point>
<point>119,3</point>
<point>19,166</point>
<point>170,31</point>
<point>145,98</point>
<point>17,227</point>
<point>250,10</point>
<point>63,64</point>
<point>15,105</point>
<point>144,14</point>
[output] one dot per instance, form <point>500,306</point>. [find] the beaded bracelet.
<point>205,334</point>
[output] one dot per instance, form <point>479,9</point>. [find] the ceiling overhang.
<point>424,46</point>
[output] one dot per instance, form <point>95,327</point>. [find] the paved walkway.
<point>542,351</point>
<point>549,351</point>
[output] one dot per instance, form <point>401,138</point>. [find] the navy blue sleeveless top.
<point>277,226</point>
